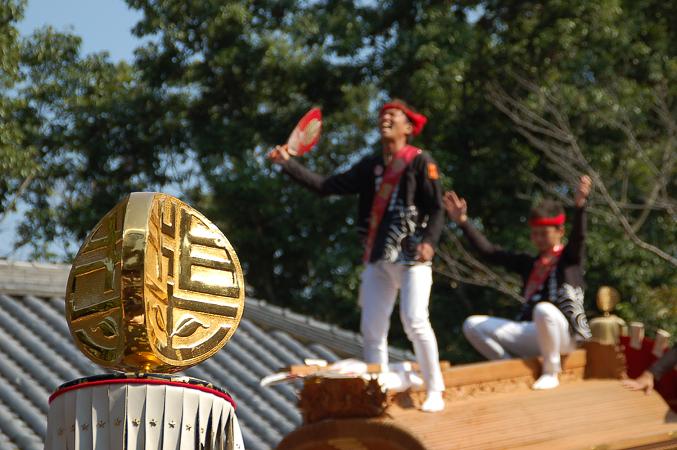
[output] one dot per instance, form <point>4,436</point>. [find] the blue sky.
<point>103,25</point>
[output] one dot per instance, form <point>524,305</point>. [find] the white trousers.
<point>378,293</point>
<point>548,336</point>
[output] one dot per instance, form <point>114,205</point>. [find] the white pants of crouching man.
<point>548,336</point>
<point>378,293</point>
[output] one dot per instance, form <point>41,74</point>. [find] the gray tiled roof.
<point>37,354</point>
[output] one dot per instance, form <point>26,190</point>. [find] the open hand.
<point>583,191</point>
<point>279,154</point>
<point>642,383</point>
<point>457,208</point>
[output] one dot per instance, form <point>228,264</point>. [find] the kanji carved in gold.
<point>155,287</point>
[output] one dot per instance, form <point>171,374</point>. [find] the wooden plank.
<point>661,441</point>
<point>506,369</point>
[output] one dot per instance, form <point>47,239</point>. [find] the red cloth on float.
<point>547,221</point>
<point>418,121</point>
<point>639,360</point>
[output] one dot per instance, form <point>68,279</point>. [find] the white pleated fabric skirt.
<point>141,413</point>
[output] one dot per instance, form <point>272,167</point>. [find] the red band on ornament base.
<point>223,395</point>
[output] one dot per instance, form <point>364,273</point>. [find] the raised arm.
<point>344,183</point>
<point>457,210</point>
<point>576,243</point>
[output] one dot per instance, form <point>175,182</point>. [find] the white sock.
<point>546,381</point>
<point>433,402</point>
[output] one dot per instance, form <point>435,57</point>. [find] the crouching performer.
<point>401,214</point>
<point>552,321</point>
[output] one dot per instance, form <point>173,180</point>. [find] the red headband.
<point>418,121</point>
<point>547,221</point>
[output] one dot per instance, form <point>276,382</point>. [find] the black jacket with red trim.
<point>415,213</point>
<point>564,286</point>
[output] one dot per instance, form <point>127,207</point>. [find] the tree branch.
<point>461,266</point>
<point>559,144</point>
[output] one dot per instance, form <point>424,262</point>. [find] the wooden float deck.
<point>581,414</point>
<point>489,406</point>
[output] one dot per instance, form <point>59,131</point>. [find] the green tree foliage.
<point>218,83</point>
<point>17,162</point>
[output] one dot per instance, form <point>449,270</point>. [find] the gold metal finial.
<point>608,328</point>
<point>155,287</point>
<point>607,299</point>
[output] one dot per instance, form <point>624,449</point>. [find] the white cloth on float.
<point>395,377</point>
